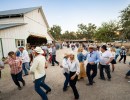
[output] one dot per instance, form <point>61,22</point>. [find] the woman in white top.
<point>65,67</point>
<point>74,72</point>
<point>113,51</point>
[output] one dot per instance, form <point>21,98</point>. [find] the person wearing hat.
<point>105,59</point>
<point>123,54</point>
<point>65,67</point>
<point>93,59</point>
<point>81,57</point>
<point>25,60</point>
<point>74,71</point>
<point>38,69</point>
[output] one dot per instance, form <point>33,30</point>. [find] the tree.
<point>125,21</point>
<point>87,30</point>
<point>55,31</point>
<point>106,32</point>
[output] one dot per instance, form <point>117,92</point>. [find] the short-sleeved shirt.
<point>15,65</point>
<point>105,57</point>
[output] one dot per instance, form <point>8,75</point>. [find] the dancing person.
<point>123,54</point>
<point>81,57</point>
<point>93,59</point>
<point>25,60</point>
<point>15,64</point>
<point>74,72</point>
<point>65,67</point>
<point>54,56</point>
<point>105,59</point>
<point>113,61</point>
<point>117,52</point>
<point>38,69</point>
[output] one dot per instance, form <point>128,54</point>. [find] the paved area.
<point>117,89</point>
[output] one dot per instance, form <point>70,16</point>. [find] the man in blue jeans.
<point>25,60</point>
<point>38,70</point>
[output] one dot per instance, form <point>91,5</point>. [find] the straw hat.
<point>72,53</point>
<point>65,55</point>
<point>123,47</point>
<point>91,47</point>
<point>38,50</point>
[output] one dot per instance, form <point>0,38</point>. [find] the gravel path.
<point>117,89</point>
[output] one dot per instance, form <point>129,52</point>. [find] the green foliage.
<point>55,31</point>
<point>106,32</point>
<point>125,21</point>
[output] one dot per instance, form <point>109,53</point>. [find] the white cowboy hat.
<point>65,54</point>
<point>72,53</point>
<point>91,46</point>
<point>39,50</point>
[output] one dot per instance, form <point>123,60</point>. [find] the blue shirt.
<point>93,57</point>
<point>80,57</point>
<point>118,51</point>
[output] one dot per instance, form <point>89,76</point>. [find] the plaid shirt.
<point>15,65</point>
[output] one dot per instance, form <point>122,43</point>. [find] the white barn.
<point>22,26</point>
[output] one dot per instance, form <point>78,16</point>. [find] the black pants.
<point>90,68</point>
<point>107,70</point>
<point>123,56</point>
<point>18,77</point>
<point>0,74</point>
<point>54,60</point>
<point>73,85</point>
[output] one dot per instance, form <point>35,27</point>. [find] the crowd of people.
<point>35,60</point>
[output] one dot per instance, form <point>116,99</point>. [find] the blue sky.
<point>69,13</point>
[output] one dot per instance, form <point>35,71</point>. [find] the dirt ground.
<point>117,89</point>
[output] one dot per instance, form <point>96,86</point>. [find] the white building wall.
<point>11,20</point>
<point>36,23</point>
<point>8,45</point>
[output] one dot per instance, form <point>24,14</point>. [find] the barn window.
<point>20,42</point>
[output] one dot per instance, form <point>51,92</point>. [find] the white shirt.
<point>50,50</point>
<point>38,66</point>
<point>74,66</point>
<point>25,56</point>
<point>65,65</point>
<point>105,57</point>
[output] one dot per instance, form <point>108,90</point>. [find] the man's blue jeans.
<point>25,66</point>
<point>66,81</point>
<point>40,83</point>
<point>116,56</point>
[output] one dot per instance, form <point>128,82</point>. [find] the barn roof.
<point>5,26</point>
<point>17,11</point>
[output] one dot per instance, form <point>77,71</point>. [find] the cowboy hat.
<point>72,53</point>
<point>38,50</point>
<point>91,47</point>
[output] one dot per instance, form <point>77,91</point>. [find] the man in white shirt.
<point>38,69</point>
<point>105,59</point>
<point>25,60</point>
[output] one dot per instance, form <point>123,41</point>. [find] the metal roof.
<point>17,11</point>
<point>5,26</point>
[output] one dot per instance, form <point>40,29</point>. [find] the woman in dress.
<point>80,57</point>
<point>74,71</point>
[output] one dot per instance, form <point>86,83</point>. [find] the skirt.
<point>82,71</point>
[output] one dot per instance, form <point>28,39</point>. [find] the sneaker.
<point>109,79</point>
